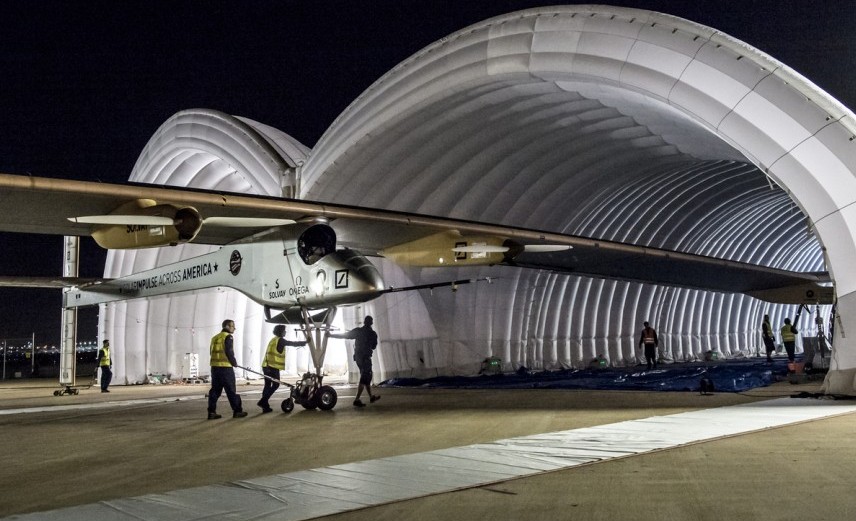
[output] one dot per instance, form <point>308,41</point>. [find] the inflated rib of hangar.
<point>605,122</point>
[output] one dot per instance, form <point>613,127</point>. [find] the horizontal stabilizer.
<point>47,282</point>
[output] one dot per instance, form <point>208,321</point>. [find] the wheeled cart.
<point>75,389</point>
<point>309,392</point>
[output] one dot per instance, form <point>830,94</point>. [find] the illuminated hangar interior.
<point>613,123</point>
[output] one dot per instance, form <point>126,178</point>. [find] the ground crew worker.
<point>648,339</point>
<point>364,346</point>
<point>789,337</point>
<point>222,372</point>
<point>768,337</point>
<point>106,365</point>
<point>273,363</point>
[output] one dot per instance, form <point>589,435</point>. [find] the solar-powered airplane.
<point>301,260</point>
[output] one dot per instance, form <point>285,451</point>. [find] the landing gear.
<point>310,394</point>
<point>327,398</point>
<point>287,405</point>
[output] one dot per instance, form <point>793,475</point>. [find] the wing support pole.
<point>68,346</point>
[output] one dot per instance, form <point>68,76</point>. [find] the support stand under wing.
<point>68,342</point>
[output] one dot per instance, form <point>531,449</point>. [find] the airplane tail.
<point>206,271</point>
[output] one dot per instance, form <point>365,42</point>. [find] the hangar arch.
<point>610,122</point>
<point>616,123</point>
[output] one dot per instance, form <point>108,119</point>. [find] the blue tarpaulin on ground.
<point>727,376</point>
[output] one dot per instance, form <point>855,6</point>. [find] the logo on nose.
<point>342,279</point>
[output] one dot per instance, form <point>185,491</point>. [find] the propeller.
<point>246,222</point>
<point>155,220</point>
<point>481,248</point>
<point>546,248</point>
<point>531,248</point>
<point>142,220</point>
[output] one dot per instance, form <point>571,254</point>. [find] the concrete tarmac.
<point>150,439</point>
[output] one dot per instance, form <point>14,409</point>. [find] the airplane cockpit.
<point>315,242</point>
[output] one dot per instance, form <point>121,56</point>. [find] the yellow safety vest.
<point>766,329</point>
<point>218,350</point>
<point>273,358</point>
<point>106,360</point>
<point>788,334</point>
<point>648,336</point>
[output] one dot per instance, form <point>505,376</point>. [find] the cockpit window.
<point>316,242</point>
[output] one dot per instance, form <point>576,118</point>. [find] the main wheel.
<point>287,405</point>
<point>326,397</point>
<point>57,393</point>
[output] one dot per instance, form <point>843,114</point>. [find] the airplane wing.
<point>613,260</point>
<point>43,205</point>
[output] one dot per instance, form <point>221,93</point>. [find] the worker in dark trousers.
<point>273,363</point>
<point>223,372</point>
<point>648,339</point>
<point>789,337</point>
<point>106,365</point>
<point>364,346</point>
<point>768,337</point>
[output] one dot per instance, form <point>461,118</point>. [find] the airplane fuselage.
<point>281,268</point>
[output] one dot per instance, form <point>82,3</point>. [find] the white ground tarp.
<point>329,490</point>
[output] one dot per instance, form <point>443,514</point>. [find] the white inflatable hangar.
<point>614,123</point>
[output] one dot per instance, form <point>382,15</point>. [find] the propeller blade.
<point>545,248</point>
<point>140,220</point>
<point>246,222</point>
<point>480,249</point>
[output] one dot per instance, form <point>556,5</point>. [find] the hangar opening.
<point>613,123</point>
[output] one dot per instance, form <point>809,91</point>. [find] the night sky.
<point>84,85</point>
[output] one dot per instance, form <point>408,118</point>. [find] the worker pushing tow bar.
<point>309,392</point>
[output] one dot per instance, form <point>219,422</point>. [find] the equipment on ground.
<point>75,389</point>
<point>309,392</point>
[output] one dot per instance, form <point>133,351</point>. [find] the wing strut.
<point>453,283</point>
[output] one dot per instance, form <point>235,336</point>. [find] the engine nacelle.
<point>438,250</point>
<point>185,226</point>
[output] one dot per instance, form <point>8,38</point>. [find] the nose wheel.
<point>327,398</point>
<point>310,393</point>
<point>287,405</point>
